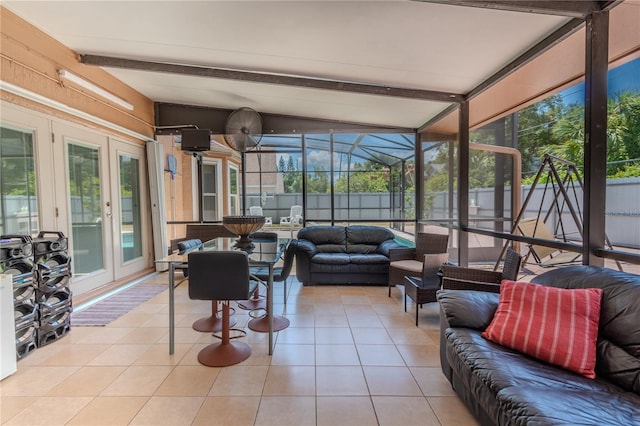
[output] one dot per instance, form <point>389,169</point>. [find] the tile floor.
<point>351,356</point>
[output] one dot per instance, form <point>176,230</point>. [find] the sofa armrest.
<point>469,309</point>
<point>387,246</point>
<point>306,247</point>
<point>402,253</point>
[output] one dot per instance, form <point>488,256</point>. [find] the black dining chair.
<point>280,273</point>
<point>256,301</point>
<point>212,322</point>
<point>221,276</point>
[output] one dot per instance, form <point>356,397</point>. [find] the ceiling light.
<point>95,89</point>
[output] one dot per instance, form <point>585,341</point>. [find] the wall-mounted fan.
<point>243,129</point>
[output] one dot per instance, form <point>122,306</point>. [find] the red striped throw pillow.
<point>559,326</point>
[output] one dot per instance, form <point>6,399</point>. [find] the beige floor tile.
<point>357,310</point>
<point>355,299</point>
<point>294,355</point>
<point>132,319</point>
<point>397,320</point>
<point>379,355</point>
<point>87,381</point>
<point>75,354</point>
<point>12,405</point>
<point>368,320</point>
<point>290,380</point>
<point>188,380</point>
<point>240,380</point>
<point>337,355</point>
<point>364,360</point>
<point>170,411</point>
<point>109,410</point>
<point>287,411</point>
<point>386,308</point>
<point>411,336</point>
<point>37,357</point>
<point>50,411</point>
<point>99,335</point>
<point>297,335</point>
<point>451,411</point>
<point>228,411</point>
<point>158,354</point>
<point>391,381</point>
<point>326,320</point>
<point>420,356</point>
<point>333,336</point>
<point>144,335</point>
<point>259,355</point>
<point>34,380</point>
<point>299,309</point>
<point>406,411</point>
<point>340,380</point>
<point>371,336</point>
<point>119,355</point>
<point>431,381</point>
<point>352,411</point>
<point>138,381</point>
<point>186,335</point>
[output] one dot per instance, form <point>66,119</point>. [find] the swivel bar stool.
<point>222,276</point>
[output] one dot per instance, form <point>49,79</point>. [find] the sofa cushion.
<point>368,259</point>
<point>331,258</point>
<point>324,235</point>
<point>331,248</point>
<point>559,326</point>
<point>369,235</point>
<point>618,357</point>
<point>412,267</point>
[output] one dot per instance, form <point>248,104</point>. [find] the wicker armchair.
<point>458,278</point>
<point>409,261</point>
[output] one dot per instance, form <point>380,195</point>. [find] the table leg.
<point>171,307</point>
<point>270,307</point>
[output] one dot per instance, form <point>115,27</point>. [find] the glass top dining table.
<point>264,253</point>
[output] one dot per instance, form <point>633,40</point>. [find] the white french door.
<point>102,205</point>
<point>130,208</point>
<point>89,186</point>
<point>83,204</point>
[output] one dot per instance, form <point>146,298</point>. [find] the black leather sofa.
<point>344,254</point>
<point>504,387</point>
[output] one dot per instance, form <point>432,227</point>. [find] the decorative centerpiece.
<point>243,226</point>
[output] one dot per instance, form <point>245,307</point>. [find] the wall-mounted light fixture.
<point>95,89</point>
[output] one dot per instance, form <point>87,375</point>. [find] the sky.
<point>626,77</point>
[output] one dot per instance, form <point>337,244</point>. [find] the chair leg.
<point>285,291</point>
<point>225,352</point>
<point>212,323</point>
<point>416,314</point>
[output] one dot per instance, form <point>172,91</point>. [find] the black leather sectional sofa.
<point>344,254</point>
<point>503,387</point>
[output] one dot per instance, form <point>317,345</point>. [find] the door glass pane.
<point>86,208</point>
<point>233,191</point>
<point>130,214</point>
<point>209,192</point>
<point>18,198</point>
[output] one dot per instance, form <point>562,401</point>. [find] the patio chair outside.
<point>294,218</point>
<point>257,211</point>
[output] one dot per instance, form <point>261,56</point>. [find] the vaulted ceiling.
<point>382,63</point>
